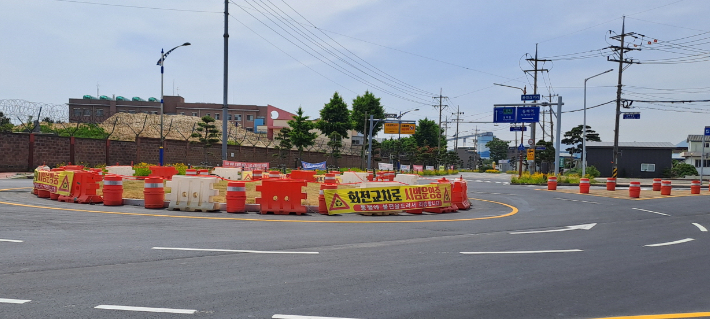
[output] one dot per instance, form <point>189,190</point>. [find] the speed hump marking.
<point>531,154</point>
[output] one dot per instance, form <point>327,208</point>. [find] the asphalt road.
<point>56,262</point>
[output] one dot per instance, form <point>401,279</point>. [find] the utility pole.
<point>441,107</point>
<point>456,141</point>
<point>535,71</point>
<point>620,50</point>
<point>225,107</point>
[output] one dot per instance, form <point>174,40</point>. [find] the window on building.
<point>250,129</point>
<point>194,113</point>
<point>182,113</point>
<point>87,112</point>
<point>229,117</point>
<point>77,112</point>
<point>707,144</point>
<point>706,163</point>
<point>648,167</point>
<point>99,112</point>
<point>250,117</point>
<point>154,112</point>
<point>216,116</point>
<point>132,111</point>
<point>237,117</point>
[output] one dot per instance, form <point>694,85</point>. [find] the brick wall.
<point>52,150</point>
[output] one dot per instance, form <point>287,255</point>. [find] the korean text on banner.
<point>55,182</point>
<point>246,165</point>
<point>404,168</point>
<point>383,199</point>
<point>385,166</point>
<point>429,168</point>
<point>313,166</point>
<point>418,168</point>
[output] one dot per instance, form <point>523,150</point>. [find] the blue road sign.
<point>632,116</point>
<point>540,148</point>
<point>528,114</point>
<point>504,114</point>
<point>530,97</point>
<point>521,147</point>
<point>707,130</point>
<point>518,128</point>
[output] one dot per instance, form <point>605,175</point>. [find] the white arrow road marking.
<point>671,242</point>
<point>519,252</point>
<point>650,211</point>
<point>700,227</point>
<point>18,301</point>
<point>303,317</point>
<point>146,309</point>
<point>239,251</point>
<point>584,227</point>
<point>11,240</point>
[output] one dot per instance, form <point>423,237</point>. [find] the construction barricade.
<point>256,175</point>
<point>166,172</point>
<point>656,184</point>
<point>274,174</point>
<point>446,196</point>
<point>236,197</point>
<point>322,206</point>
<point>230,173</point>
<point>281,197</point>
<point>153,193</point>
<point>83,188</point>
<point>353,177</point>
<point>192,193</point>
<point>695,187</point>
<point>203,172</point>
<point>308,176</point>
<point>610,184</point>
<point>190,172</point>
<point>634,189</point>
<point>584,185</point>
<point>459,194</point>
<point>666,188</point>
<point>330,179</point>
<point>407,179</point>
<point>551,183</point>
<point>113,190</point>
<point>53,195</point>
<point>120,170</point>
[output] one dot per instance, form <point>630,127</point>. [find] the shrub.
<point>682,169</point>
<point>592,172</point>
<point>495,171</point>
<point>181,168</point>
<point>142,169</point>
<point>526,178</point>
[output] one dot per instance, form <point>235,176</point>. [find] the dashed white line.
<point>304,317</point>
<point>520,252</point>
<point>671,242</point>
<point>238,251</point>
<point>11,240</point>
<point>147,309</point>
<point>650,211</point>
<point>16,301</point>
<point>575,200</point>
<point>700,227</point>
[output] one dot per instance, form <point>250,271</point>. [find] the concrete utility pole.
<point>225,107</point>
<point>441,107</point>
<point>456,141</point>
<point>621,49</point>
<point>535,70</point>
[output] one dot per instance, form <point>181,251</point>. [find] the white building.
<point>696,152</point>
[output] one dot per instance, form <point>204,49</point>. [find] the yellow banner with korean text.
<point>54,182</point>
<point>386,199</point>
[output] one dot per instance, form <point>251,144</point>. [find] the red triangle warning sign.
<point>64,185</point>
<point>338,203</point>
<point>447,198</point>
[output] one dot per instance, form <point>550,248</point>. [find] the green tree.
<point>364,106</point>
<point>546,155</point>
<point>207,133</point>
<point>574,137</point>
<point>336,144</point>
<point>335,117</point>
<point>498,149</point>
<point>410,149</point>
<point>5,124</point>
<point>681,169</point>
<point>284,145</point>
<point>427,133</point>
<point>301,135</point>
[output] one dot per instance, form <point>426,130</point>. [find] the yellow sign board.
<point>531,154</point>
<point>391,128</point>
<point>55,182</point>
<point>407,128</point>
<point>384,199</point>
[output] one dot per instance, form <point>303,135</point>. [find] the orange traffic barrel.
<point>665,187</point>
<point>584,185</point>
<point>256,175</point>
<point>370,177</point>
<point>656,184</point>
<point>203,172</point>
<point>154,193</point>
<point>191,172</point>
<point>322,207</point>
<point>274,174</point>
<point>695,187</point>
<point>634,189</point>
<point>236,197</point>
<point>113,190</point>
<point>552,183</point>
<point>611,184</point>
<point>330,179</point>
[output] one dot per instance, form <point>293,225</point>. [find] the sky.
<point>293,54</point>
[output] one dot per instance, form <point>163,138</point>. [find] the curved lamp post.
<point>584,126</point>
<point>161,62</point>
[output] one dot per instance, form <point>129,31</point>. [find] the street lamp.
<point>524,88</point>
<point>522,134</point>
<point>399,119</point>
<point>584,126</point>
<point>161,62</point>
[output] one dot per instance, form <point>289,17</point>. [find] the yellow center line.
<point>665,316</point>
<point>514,211</point>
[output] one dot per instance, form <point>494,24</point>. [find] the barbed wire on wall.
<point>19,111</point>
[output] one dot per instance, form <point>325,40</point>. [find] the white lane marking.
<point>671,242</point>
<point>17,301</point>
<point>304,317</point>
<point>12,240</point>
<point>583,227</point>
<point>146,309</point>
<point>239,251</point>
<point>519,252</point>
<point>576,200</point>
<point>498,182</point>
<point>650,211</point>
<point>700,227</point>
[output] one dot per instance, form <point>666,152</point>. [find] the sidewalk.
<point>9,175</point>
<point>646,182</point>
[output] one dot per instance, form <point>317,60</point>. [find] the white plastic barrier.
<point>354,177</point>
<point>231,173</point>
<point>378,184</point>
<point>189,193</point>
<point>121,170</point>
<point>409,179</point>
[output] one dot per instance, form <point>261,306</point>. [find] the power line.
<point>136,7</point>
